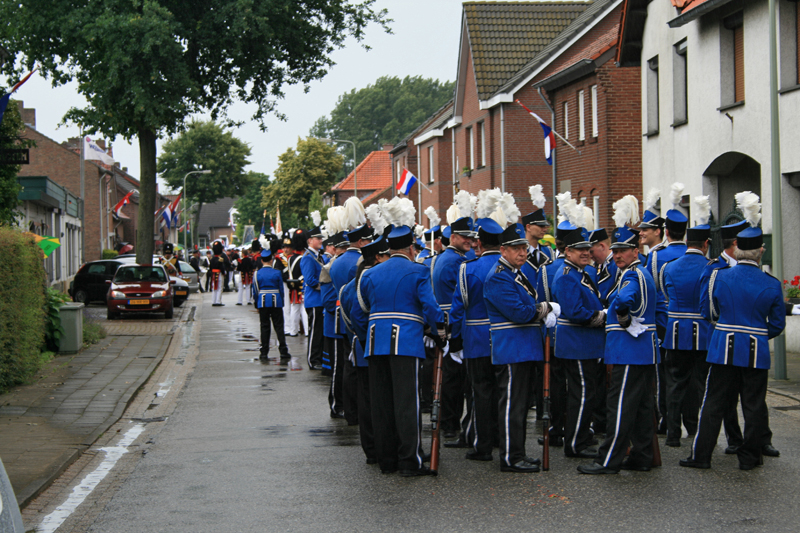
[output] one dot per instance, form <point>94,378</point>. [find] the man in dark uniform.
<point>216,271</point>
<point>747,308</point>
<point>267,288</point>
<point>516,318</point>
<point>333,351</point>
<point>311,266</point>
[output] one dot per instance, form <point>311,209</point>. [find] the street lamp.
<point>185,231</point>
<point>355,179</point>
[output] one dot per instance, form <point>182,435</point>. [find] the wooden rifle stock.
<point>435,411</point>
<point>546,406</point>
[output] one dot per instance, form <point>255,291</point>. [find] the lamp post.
<point>185,231</point>
<point>355,178</point>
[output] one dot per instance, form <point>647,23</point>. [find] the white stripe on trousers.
<point>336,355</point>
<point>310,333</point>
<point>700,416</point>
<point>580,411</point>
<point>508,409</point>
<point>619,412</point>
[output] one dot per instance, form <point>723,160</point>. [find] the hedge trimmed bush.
<point>22,308</point>
<point>109,254</point>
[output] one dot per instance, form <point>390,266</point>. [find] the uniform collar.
<point>313,252</point>
<point>456,250</point>
<point>490,252</point>
<point>609,258</point>
<point>748,262</point>
<point>694,251</point>
<point>727,259</point>
<point>573,265</point>
<point>508,265</point>
<point>401,256</point>
<point>354,249</point>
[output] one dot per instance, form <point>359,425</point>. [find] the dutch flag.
<point>406,182</point>
<point>549,137</point>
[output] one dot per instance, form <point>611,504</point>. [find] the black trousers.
<point>365,428</point>
<point>455,386</point>
<point>513,381</point>
<point>730,421</point>
<point>683,375</point>
<point>396,414</point>
<point>581,402</point>
<point>275,314</point>
<point>724,385</point>
<point>349,385</point>
<point>601,394</point>
<point>630,416</point>
<point>426,377</point>
<point>335,352</point>
<point>315,336</point>
<point>485,398</point>
<point>558,393</point>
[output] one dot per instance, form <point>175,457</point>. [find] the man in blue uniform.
<point>603,261</point>
<point>267,288</point>
<point>470,333</point>
<point>333,350</point>
<point>747,308</point>
<point>311,266</point>
<point>536,226</point>
<point>444,273</point>
<point>516,319</point>
<point>580,342</point>
<point>631,347</point>
<point>686,337</point>
<point>433,243</point>
<point>397,295</point>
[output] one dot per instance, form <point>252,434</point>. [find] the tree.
<point>146,65</point>
<point>251,212</point>
<point>205,146</point>
<point>383,113</point>
<point>315,204</point>
<point>313,166</point>
<point>10,131</point>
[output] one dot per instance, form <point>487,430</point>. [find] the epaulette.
<point>711,262</point>
<point>471,260</point>
<point>499,268</point>
<point>567,268</point>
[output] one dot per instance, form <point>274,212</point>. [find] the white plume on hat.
<point>400,212</point>
<point>316,218</point>
<point>537,196</point>
<point>376,218</point>
<point>433,216</point>
<point>748,204</point>
<point>563,199</point>
<point>419,230</point>
<point>676,194</point>
<point>336,221</point>
<point>464,202</point>
<point>453,214</point>
<point>652,198</point>
<point>323,230</point>
<point>355,216</point>
<point>626,211</point>
<point>575,214</point>
<point>703,209</point>
<point>264,241</point>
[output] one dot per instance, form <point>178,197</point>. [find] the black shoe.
<point>587,453</point>
<point>456,443</point>
<point>388,470</point>
<point>731,450</point>
<point>627,464</point>
<point>238,304</point>
<point>425,409</point>
<point>450,434</point>
<point>372,460</point>
<point>285,357</point>
<point>673,442</point>
<point>691,463</point>
<point>337,415</point>
<point>523,467</point>
<point>555,440</point>
<point>770,451</point>
<point>426,458</point>
<point>594,442</point>
<point>596,468</point>
<point>424,471</point>
<point>533,461</point>
<point>476,456</point>
<point>264,357</point>
<point>743,466</point>
<point>315,367</point>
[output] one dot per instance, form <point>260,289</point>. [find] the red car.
<point>140,289</point>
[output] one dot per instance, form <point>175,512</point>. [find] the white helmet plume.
<point>488,201</point>
<point>355,216</point>
<point>376,218</point>
<point>676,194</point>
<point>419,231</point>
<point>316,218</point>
<point>433,216</point>
<point>537,196</point>
<point>563,199</point>
<point>703,210</point>
<point>652,198</point>
<point>400,212</point>
<point>626,211</point>
<point>748,204</point>
<point>464,202</point>
<point>335,222</point>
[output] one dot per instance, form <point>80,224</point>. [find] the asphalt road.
<point>250,447</point>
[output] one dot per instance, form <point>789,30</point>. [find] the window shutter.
<point>738,63</point>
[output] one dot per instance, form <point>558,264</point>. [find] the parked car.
<point>181,288</point>
<point>89,284</point>
<point>190,276</point>
<point>140,289</point>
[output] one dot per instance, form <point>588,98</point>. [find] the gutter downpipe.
<point>419,189</point>
<point>553,122</point>
<point>453,157</point>
<point>502,148</point>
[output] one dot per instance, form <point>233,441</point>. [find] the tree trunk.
<point>145,228</point>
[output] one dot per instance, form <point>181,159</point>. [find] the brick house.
<point>214,222</point>
<point>372,177</point>
<point>548,56</point>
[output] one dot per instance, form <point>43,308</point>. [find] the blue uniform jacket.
<point>606,278</point>
<point>635,294</point>
<point>515,321</point>
<point>686,327</point>
<point>397,295</point>
<point>311,267</point>
<point>355,319</point>
<point>342,271</point>
<point>330,311</point>
<point>444,273</point>
<point>544,288</point>
<point>655,265</point>
<point>267,288</point>
<point>469,318</point>
<point>579,300</point>
<point>722,261</point>
<point>747,306</point>
<point>422,255</point>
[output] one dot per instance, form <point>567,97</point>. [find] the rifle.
<point>437,394</point>
<point>546,406</point>
<point>656,448</point>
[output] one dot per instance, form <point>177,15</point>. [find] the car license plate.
<point>180,293</point>
<point>138,302</point>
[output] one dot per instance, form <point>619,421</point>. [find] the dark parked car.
<point>89,284</point>
<point>140,289</point>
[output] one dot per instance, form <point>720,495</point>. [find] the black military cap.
<point>537,218</point>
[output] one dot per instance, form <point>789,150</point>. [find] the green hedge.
<point>22,307</point>
<point>109,254</point>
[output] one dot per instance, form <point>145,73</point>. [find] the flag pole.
<point>83,203</point>
<point>553,129</point>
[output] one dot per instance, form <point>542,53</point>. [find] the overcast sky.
<point>424,43</point>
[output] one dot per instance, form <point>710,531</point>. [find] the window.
<point>566,120</point>
<point>789,44</point>
<point>471,147</point>
<point>482,143</point>
<point>430,164</point>
<point>732,60</point>
<point>679,88</point>
<point>652,96</point>
<point>594,110</point>
<point>581,127</point>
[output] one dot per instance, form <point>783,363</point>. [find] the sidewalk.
<point>46,425</point>
<point>787,387</point>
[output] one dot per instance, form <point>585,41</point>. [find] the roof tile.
<point>374,172</point>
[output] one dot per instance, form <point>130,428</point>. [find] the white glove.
<point>352,356</point>
<point>796,309</point>
<point>235,263</point>
<point>637,327</point>
<point>605,312</point>
<point>458,356</point>
<point>556,309</point>
<point>551,319</point>
<point>429,342</point>
<point>446,349</point>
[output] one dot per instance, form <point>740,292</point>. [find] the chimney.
<point>28,115</point>
<point>387,147</point>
